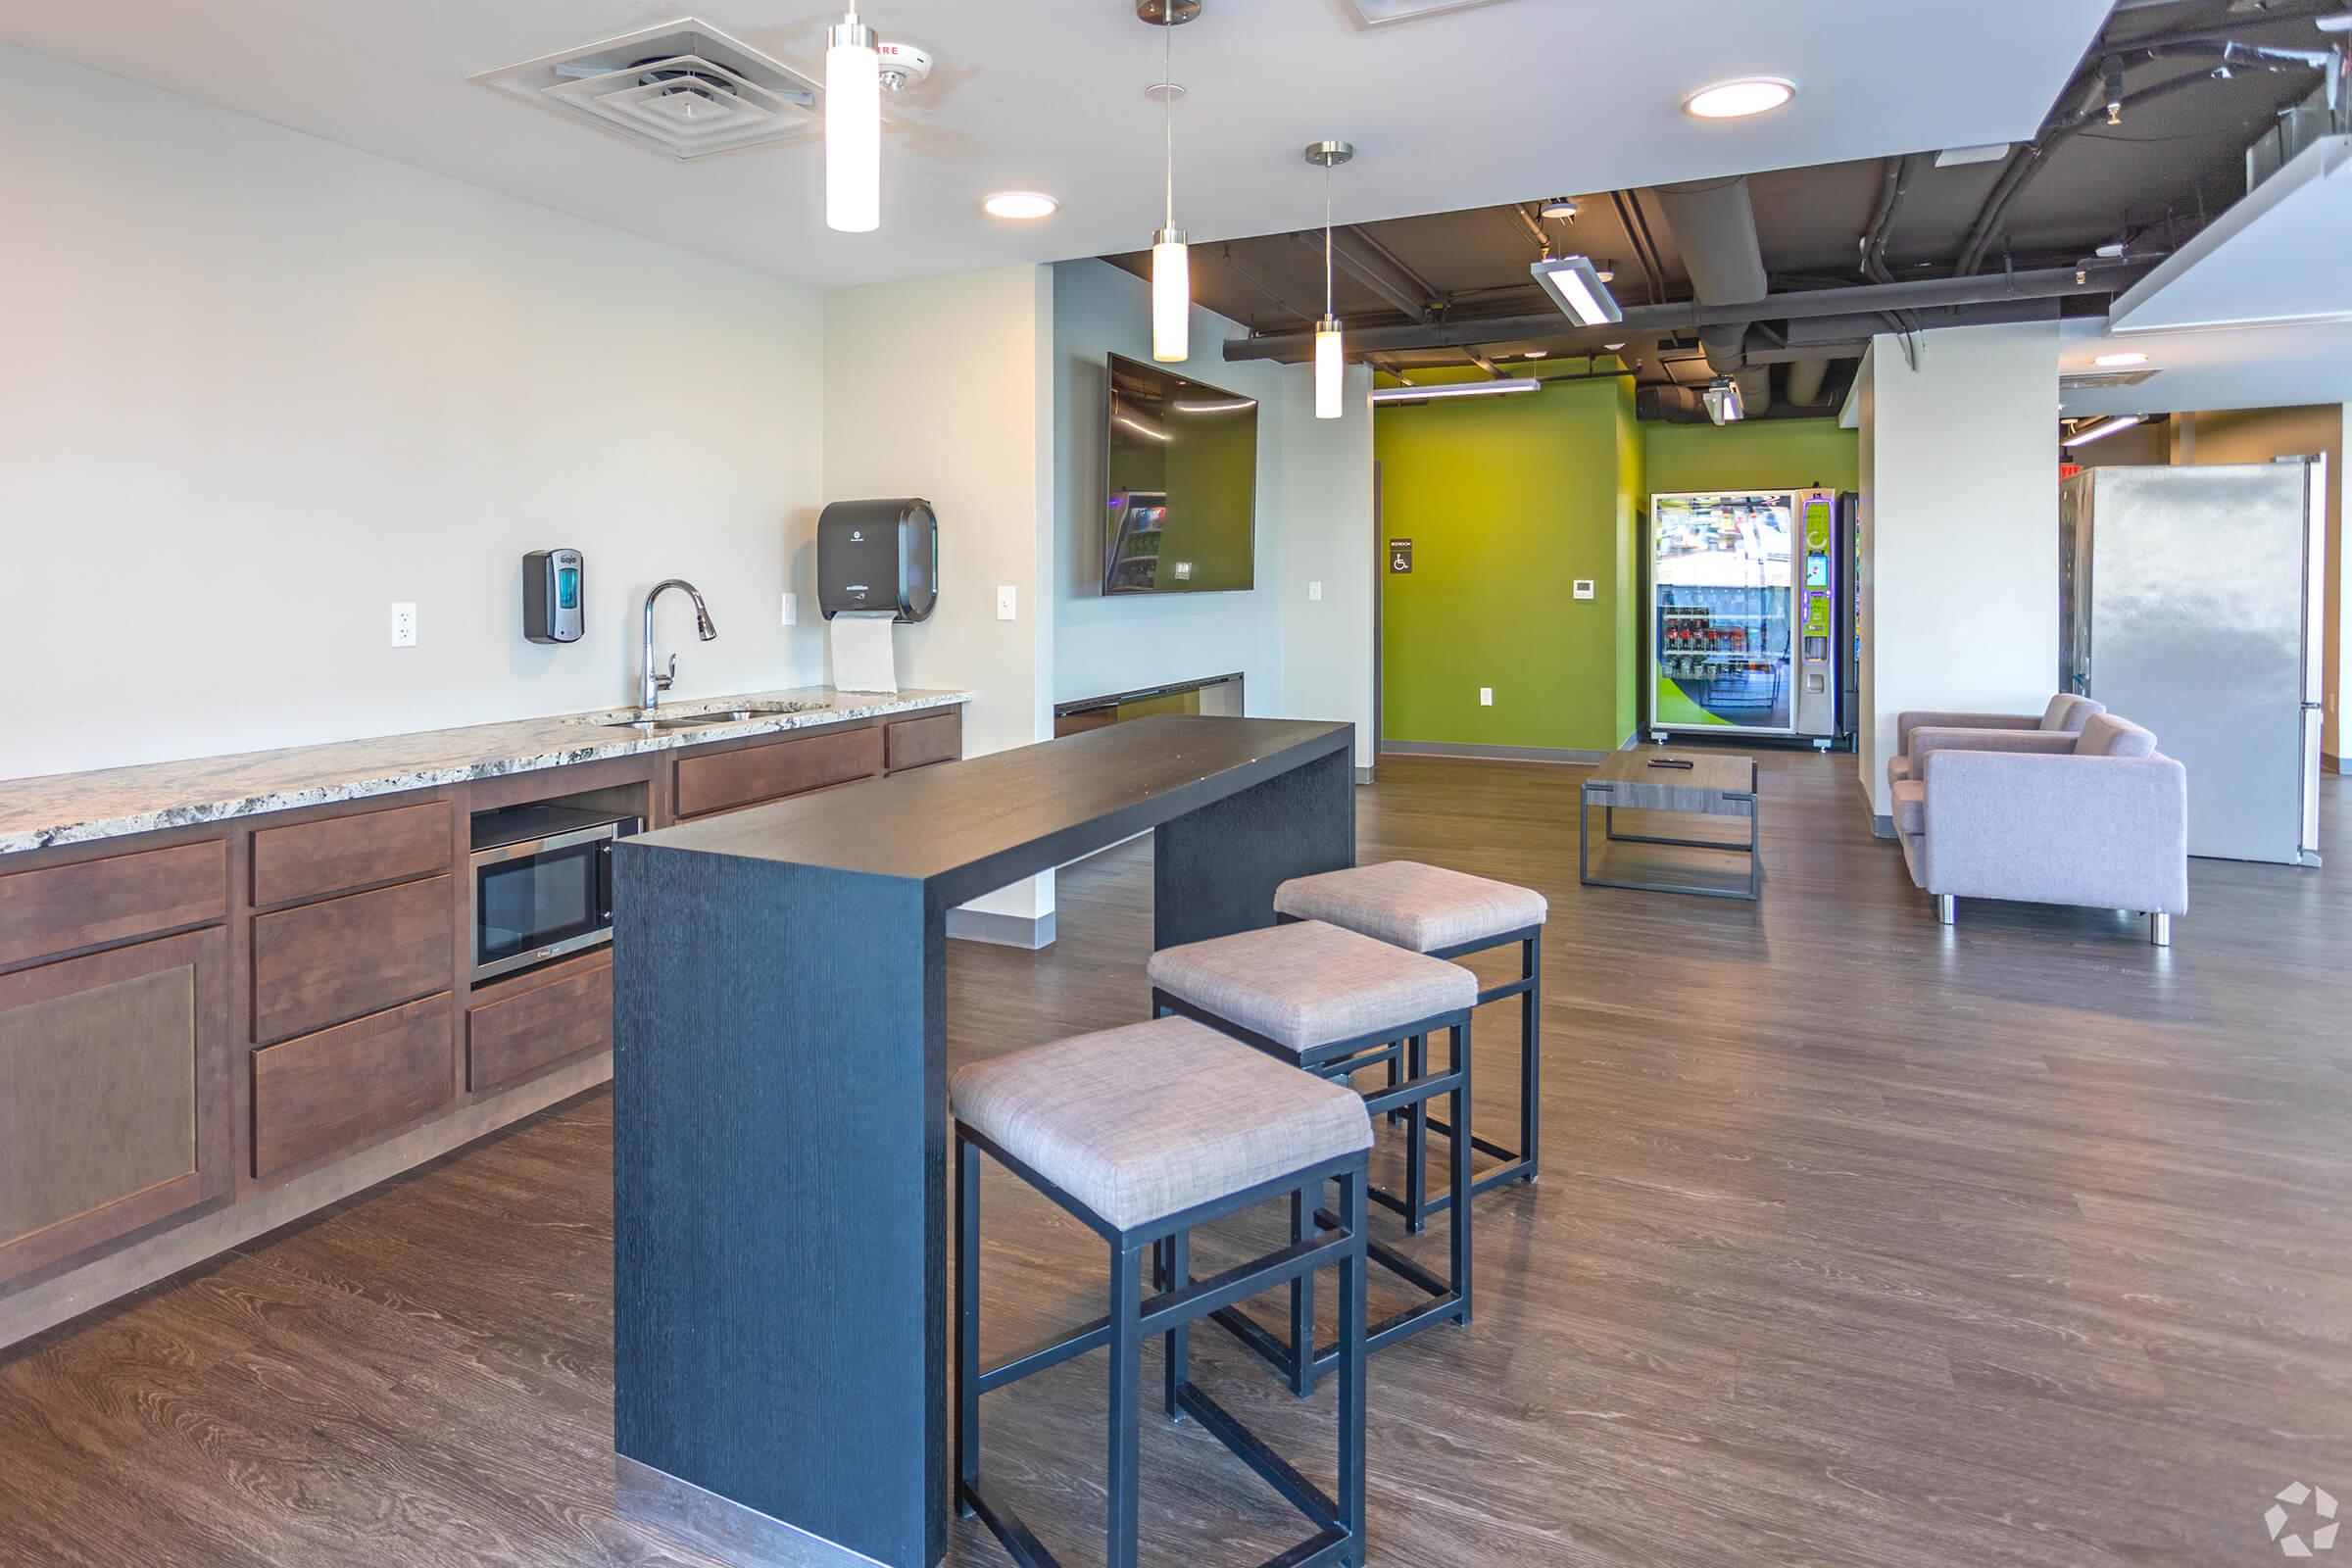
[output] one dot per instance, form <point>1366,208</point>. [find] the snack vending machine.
<point>1750,631</point>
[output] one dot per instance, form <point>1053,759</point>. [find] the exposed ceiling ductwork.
<point>1714,225</point>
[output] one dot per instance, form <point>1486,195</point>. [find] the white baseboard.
<point>1030,932</point>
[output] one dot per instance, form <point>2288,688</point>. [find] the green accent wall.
<point>1508,500</point>
<point>1762,454</point>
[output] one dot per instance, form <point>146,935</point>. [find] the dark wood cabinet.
<point>330,1092</point>
<point>113,1094</point>
<point>722,781</point>
<point>920,741</point>
<point>516,1034</point>
<point>338,853</point>
<point>62,907</point>
<point>323,963</point>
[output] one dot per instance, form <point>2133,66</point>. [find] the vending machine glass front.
<point>1722,603</point>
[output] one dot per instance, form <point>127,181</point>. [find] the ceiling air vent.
<point>683,89</point>
<point>2088,380</point>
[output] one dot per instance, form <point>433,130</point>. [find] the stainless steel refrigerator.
<point>2190,601</point>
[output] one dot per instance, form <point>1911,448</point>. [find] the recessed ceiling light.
<point>1612,347</point>
<point>1559,207</point>
<point>1020,204</point>
<point>1605,272</point>
<point>1735,100</point>
<point>2111,360</point>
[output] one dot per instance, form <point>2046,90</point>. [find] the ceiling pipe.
<point>1364,258</point>
<point>1714,223</point>
<point>1805,378</point>
<point>1930,293</point>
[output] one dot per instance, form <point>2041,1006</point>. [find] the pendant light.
<point>1331,359</point>
<point>853,126</point>
<point>1171,261</point>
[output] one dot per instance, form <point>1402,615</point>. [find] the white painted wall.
<point>941,388</point>
<point>261,385</point>
<point>1960,487</point>
<point>1299,658</point>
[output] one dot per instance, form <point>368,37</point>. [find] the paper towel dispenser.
<point>878,555</point>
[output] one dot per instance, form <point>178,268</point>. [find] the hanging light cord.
<point>1167,97</point>
<point>1327,236</point>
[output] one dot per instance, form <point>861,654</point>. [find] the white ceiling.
<point>2213,367</point>
<point>2278,256</point>
<point>1499,102</point>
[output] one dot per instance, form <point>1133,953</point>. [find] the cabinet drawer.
<point>340,853</point>
<point>330,1091</point>
<point>517,1035</point>
<point>759,773</point>
<point>68,906</point>
<point>914,742</point>
<point>325,963</point>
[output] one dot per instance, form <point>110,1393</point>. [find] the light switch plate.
<point>791,609</point>
<point>1486,696</point>
<point>1005,601</point>
<point>1314,590</point>
<point>1583,587</point>
<point>404,625</point>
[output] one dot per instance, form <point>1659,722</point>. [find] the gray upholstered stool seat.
<point>1307,984</point>
<point>1449,914</point>
<point>1408,904</point>
<point>1339,1004</point>
<point>1141,1122</point>
<point>1141,1134</point>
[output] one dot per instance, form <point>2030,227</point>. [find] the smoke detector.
<point>684,89</point>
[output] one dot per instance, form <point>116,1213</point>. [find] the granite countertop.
<point>77,807</point>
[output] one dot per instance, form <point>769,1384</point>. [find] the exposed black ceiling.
<point>2175,161</point>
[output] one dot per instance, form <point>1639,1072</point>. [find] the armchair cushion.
<point>1929,738</point>
<point>2067,712</point>
<point>2106,735</point>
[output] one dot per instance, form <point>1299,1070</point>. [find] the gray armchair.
<point>2098,818</point>
<point>2064,715</point>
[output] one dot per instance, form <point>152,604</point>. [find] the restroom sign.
<point>1400,557</point>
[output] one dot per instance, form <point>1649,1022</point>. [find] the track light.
<point>1725,405</point>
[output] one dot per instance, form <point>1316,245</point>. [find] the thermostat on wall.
<point>1583,587</point>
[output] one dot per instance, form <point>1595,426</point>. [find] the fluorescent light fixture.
<point>1575,286</point>
<point>1536,354</point>
<point>1457,389</point>
<point>1737,100</point>
<point>853,126</point>
<point>2100,431</point>
<point>1020,204</point>
<point>2110,361</point>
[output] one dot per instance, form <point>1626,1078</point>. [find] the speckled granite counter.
<point>77,807</point>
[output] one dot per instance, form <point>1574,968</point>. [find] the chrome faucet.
<point>655,682</point>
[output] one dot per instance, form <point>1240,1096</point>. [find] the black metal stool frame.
<point>1520,1164</point>
<point>1339,1539</point>
<point>1300,1359</point>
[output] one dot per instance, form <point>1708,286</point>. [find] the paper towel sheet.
<point>861,658</point>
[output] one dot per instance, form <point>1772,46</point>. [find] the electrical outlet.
<point>791,609</point>
<point>404,625</point>
<point>1486,696</point>
<point>1314,591</point>
<point>1005,602</point>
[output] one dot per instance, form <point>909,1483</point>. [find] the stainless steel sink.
<point>660,722</point>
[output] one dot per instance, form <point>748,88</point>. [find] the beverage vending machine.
<point>1751,624</point>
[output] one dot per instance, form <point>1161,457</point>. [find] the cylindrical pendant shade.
<point>1330,368</point>
<point>853,129</point>
<point>1171,296</point>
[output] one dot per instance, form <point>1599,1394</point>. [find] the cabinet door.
<point>113,1094</point>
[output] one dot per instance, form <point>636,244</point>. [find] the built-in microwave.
<point>542,883</point>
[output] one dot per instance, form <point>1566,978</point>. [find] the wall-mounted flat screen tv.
<point>1180,484</point>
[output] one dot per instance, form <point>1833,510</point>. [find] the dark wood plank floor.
<point>1859,1242</point>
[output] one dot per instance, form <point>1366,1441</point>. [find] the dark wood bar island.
<point>780,1115</point>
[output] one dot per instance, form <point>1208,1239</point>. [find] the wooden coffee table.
<point>1712,784</point>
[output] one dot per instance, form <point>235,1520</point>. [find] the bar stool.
<point>1140,1134</point>
<point>1334,1003</point>
<point>1447,915</point>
